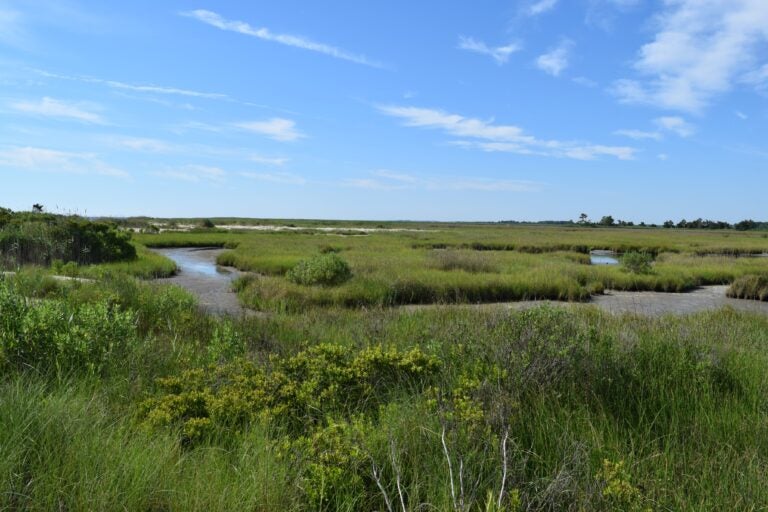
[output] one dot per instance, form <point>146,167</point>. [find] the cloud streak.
<point>146,88</point>
<point>215,20</point>
<point>488,136</point>
<point>284,178</point>
<point>500,54</point>
<point>541,7</point>
<point>388,180</point>
<point>194,174</point>
<point>277,128</point>
<point>676,125</point>
<point>49,107</point>
<point>639,134</point>
<point>36,159</point>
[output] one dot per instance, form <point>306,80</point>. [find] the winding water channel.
<point>211,283</point>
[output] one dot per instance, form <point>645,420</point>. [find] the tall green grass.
<point>482,264</point>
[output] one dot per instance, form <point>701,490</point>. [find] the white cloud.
<point>194,173</point>
<point>371,184</point>
<point>267,160</point>
<point>145,145</point>
<point>49,160</point>
<point>700,50</point>
<point>487,136</point>
<point>396,176</point>
<point>541,7</point>
<point>663,157</point>
<point>277,128</point>
<point>676,125</point>
<point>387,180</point>
<point>215,20</point>
<point>50,107</point>
<point>741,115</point>
<point>284,178</point>
<point>146,88</point>
<point>639,134</point>
<point>556,60</point>
<point>499,53</point>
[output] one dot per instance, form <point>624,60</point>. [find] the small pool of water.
<point>604,258</point>
<point>201,262</point>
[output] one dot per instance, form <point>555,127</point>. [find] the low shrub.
<point>637,262</point>
<point>326,269</point>
<point>297,392</point>
<point>53,335</point>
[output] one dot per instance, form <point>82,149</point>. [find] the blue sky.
<point>527,110</point>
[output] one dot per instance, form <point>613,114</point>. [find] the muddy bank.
<point>706,298</point>
<point>210,283</point>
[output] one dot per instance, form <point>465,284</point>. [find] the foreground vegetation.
<point>119,395</point>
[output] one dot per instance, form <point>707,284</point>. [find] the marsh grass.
<point>477,264</point>
<point>750,287</point>
<point>468,261</point>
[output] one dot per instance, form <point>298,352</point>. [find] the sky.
<point>526,110</point>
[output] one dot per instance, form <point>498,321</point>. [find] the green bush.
<point>637,262</point>
<point>328,269</point>
<point>41,239</point>
<point>54,335</point>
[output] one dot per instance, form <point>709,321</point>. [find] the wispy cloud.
<point>555,61</point>
<point>268,160</point>
<point>499,53</point>
<point>700,50</point>
<point>283,130</point>
<point>216,20</point>
<point>585,82</point>
<point>145,88</point>
<point>37,159</point>
<point>11,31</point>
<point>741,115</point>
<point>639,134</point>
<point>540,7</point>
<point>488,136</point>
<point>143,144</point>
<point>49,107</point>
<point>194,173</point>
<point>676,125</point>
<point>388,180</point>
<point>284,178</point>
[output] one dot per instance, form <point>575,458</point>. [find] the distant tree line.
<point>744,225</point>
<point>609,220</point>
